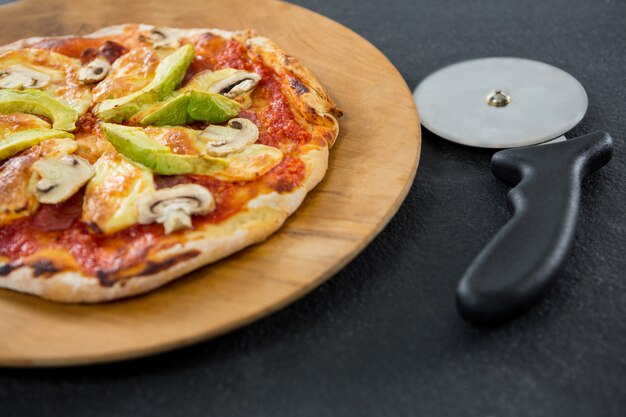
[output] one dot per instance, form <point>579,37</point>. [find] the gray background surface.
<point>383,338</point>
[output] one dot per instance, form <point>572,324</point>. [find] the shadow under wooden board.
<point>371,168</point>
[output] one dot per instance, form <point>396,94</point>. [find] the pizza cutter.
<point>515,103</point>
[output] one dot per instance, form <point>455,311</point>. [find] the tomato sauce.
<point>59,226</point>
<point>72,47</point>
<point>286,176</point>
<point>214,52</point>
<point>277,124</point>
<point>54,217</point>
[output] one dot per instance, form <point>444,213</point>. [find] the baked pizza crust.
<point>263,216</point>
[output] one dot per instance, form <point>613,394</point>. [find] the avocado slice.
<point>189,107</point>
<point>17,142</point>
<point>17,122</point>
<point>35,102</point>
<point>171,112</point>
<point>135,144</point>
<point>169,74</point>
<point>211,108</point>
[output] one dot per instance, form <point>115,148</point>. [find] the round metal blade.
<point>500,102</point>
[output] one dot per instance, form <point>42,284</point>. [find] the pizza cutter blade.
<point>514,103</point>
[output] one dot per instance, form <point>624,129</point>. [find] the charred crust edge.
<point>41,268</point>
<point>110,278</point>
<point>298,86</point>
<point>6,269</point>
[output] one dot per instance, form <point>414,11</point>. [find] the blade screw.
<point>497,98</point>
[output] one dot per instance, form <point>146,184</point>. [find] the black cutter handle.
<point>517,266</point>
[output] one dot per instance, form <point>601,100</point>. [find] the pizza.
<point>135,154</point>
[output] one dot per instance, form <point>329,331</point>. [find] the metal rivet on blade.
<point>497,98</point>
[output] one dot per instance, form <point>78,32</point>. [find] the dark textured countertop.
<point>383,338</point>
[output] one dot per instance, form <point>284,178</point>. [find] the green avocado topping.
<point>17,142</point>
<point>169,74</point>
<point>135,144</point>
<point>189,107</point>
<point>63,117</point>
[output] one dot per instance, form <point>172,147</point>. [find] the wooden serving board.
<point>371,169</point>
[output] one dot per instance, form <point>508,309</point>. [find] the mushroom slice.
<point>165,37</point>
<point>173,207</point>
<point>95,71</point>
<point>222,140</point>
<point>238,83</point>
<point>61,178</point>
<point>19,77</point>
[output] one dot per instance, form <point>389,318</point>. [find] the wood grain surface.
<point>371,168</point>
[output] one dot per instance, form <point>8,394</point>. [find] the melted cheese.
<point>17,180</point>
<point>129,73</point>
<point>16,122</point>
<point>64,85</point>
<point>180,140</point>
<point>250,163</point>
<point>17,196</point>
<point>111,195</point>
<point>91,147</point>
